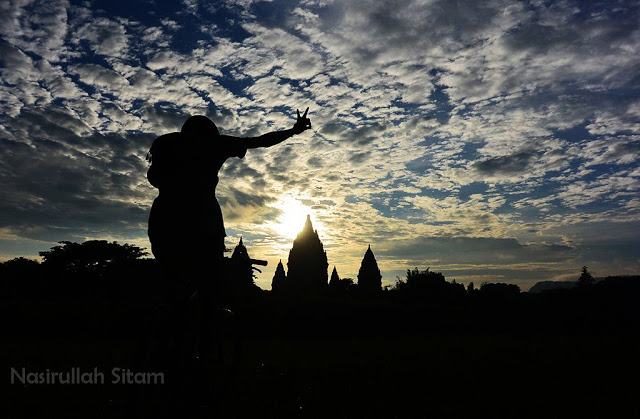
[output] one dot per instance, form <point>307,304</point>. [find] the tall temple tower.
<point>369,277</point>
<point>307,261</point>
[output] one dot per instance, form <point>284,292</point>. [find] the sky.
<point>490,141</point>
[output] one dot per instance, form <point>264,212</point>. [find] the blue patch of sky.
<point>430,140</point>
<point>556,206</point>
<point>434,193</point>
<point>440,98</point>
<point>30,54</point>
<point>470,150</point>
<point>619,10</point>
<point>393,203</point>
<point>511,193</point>
<point>227,22</point>
<point>473,188</point>
<point>224,20</point>
<point>608,169</point>
<point>138,10</point>
<point>58,102</point>
<point>137,104</point>
<point>596,206</point>
<point>420,165</point>
<point>558,175</point>
<point>393,207</point>
<point>627,92</point>
<point>291,82</point>
<point>186,38</point>
<point>273,13</point>
<point>443,109</point>
<point>574,134</point>
<point>88,88</point>
<point>232,82</point>
<point>167,108</point>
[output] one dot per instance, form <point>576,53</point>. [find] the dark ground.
<point>385,375</point>
<point>565,354</point>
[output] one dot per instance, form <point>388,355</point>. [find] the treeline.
<point>102,286</point>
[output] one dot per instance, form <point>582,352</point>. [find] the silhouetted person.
<point>186,229</point>
<point>185,169</point>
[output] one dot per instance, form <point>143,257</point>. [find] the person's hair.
<point>199,126</point>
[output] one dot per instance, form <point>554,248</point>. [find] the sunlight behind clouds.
<point>292,218</point>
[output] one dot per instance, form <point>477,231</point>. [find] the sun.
<point>291,221</point>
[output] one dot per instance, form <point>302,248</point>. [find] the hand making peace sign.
<point>302,123</point>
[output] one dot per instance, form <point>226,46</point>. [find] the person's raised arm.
<point>272,138</point>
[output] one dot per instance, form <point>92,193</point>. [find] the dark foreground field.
<point>430,375</point>
<point>400,354</point>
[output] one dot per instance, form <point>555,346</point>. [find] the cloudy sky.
<point>491,141</point>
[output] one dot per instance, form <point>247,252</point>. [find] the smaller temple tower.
<point>369,277</point>
<point>335,279</point>
<point>240,251</point>
<point>279,278</point>
<point>241,266</point>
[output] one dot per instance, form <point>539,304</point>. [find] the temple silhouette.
<point>237,281</point>
<point>369,277</point>
<point>308,268</point>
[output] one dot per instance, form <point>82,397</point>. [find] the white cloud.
<point>107,37</point>
<point>100,77</point>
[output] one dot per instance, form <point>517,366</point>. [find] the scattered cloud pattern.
<point>488,140</point>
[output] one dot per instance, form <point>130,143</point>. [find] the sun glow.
<point>291,221</point>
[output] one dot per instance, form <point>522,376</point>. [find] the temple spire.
<point>240,251</point>
<point>307,261</point>
<point>279,278</point>
<point>369,277</point>
<point>308,227</point>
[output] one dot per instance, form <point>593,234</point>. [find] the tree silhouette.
<point>20,264</point>
<point>90,256</point>
<point>429,286</point>
<point>585,278</point>
<point>424,280</point>
<point>19,272</point>
<point>339,285</point>
<point>470,288</point>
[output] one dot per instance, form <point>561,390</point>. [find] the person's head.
<point>199,127</point>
